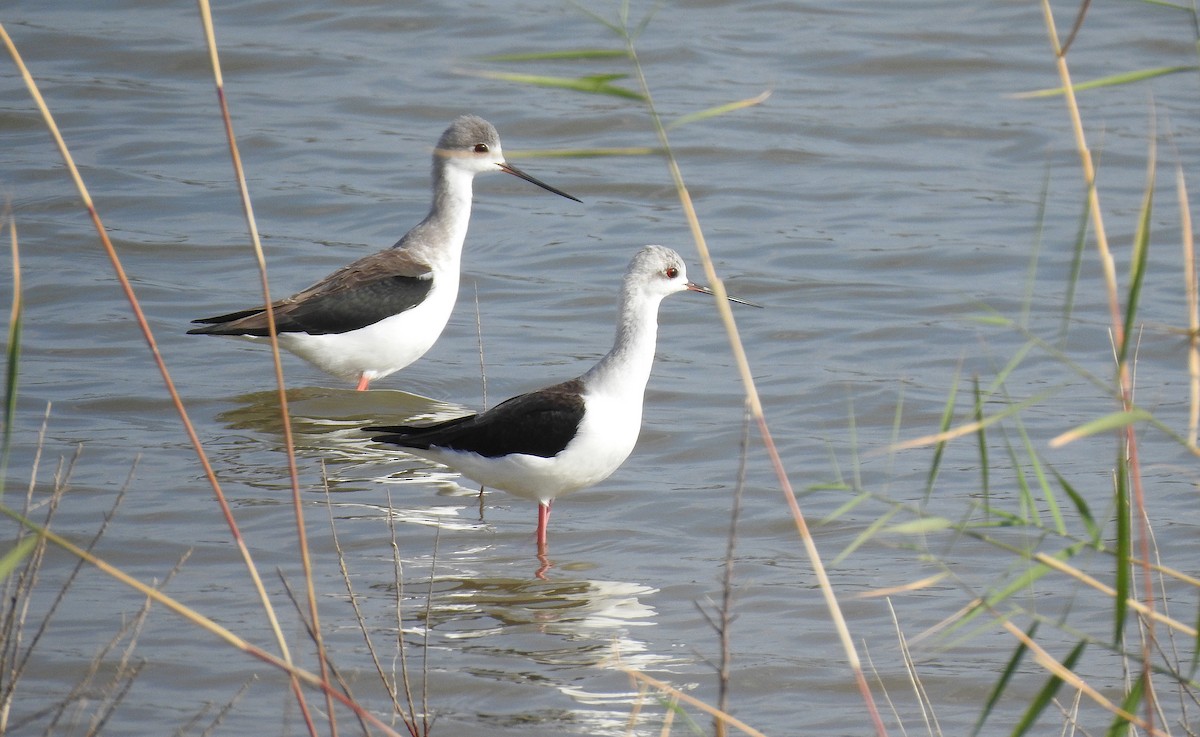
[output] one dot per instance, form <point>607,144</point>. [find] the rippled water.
<point>887,191</point>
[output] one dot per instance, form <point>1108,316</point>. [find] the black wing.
<point>540,423</point>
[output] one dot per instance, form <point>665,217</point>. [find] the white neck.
<point>626,368</point>
<point>440,236</point>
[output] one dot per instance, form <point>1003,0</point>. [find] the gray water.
<point>887,193</point>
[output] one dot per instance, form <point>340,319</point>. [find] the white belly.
<point>603,441</point>
<point>383,347</point>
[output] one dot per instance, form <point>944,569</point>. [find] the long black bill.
<point>509,168</point>
<point>693,287</point>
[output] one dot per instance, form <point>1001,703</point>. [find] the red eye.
<point>671,272</point>
<point>481,148</point>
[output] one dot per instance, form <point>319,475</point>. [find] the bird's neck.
<point>450,213</point>
<point>626,368</point>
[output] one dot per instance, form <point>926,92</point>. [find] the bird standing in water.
<point>384,311</point>
<point>568,436</point>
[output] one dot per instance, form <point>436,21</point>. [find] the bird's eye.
<point>671,272</point>
<point>481,148</point>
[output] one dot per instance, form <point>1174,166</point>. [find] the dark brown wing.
<point>355,296</point>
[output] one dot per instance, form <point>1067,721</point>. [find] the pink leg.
<point>543,522</point>
<point>362,383</point>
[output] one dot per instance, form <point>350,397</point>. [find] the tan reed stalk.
<point>1193,305</point>
<point>1110,592</point>
<point>644,680</point>
<point>1120,339</point>
<point>151,343</point>
<point>755,405</point>
<point>358,616</point>
<point>288,444</point>
<point>1047,661</point>
<point>196,618</point>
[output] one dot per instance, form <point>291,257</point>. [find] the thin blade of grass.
<point>980,443</point>
<point>939,450</point>
<point>1137,265</point>
<point>1046,695</point>
<point>13,557</point>
<point>597,84</point>
<point>13,359</point>
<point>713,112</point>
<point>565,55</point>
<point>1120,725</point>
<point>1124,544</point>
<point>1006,675</point>
<point>584,153</point>
<point>1192,291</point>
<point>1109,81</point>
<point>866,535</point>
<point>1114,421</point>
<point>1081,509</point>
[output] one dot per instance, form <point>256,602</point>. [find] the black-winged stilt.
<point>568,436</point>
<point>384,311</point>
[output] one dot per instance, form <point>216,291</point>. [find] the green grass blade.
<point>1048,495</point>
<point>940,449</point>
<point>1006,675</point>
<point>13,558</point>
<point>1030,576</point>
<point>1108,423</point>
<point>1046,695</point>
<point>981,442</point>
<point>713,112</point>
<point>865,535</point>
<point>1120,725</point>
<point>597,84</point>
<point>1110,81</point>
<point>1137,265</point>
<point>574,55</point>
<point>1124,544</point>
<point>13,358</point>
<point>1080,247</point>
<point>1081,508</point>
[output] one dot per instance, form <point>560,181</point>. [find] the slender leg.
<point>362,383</point>
<point>543,521</point>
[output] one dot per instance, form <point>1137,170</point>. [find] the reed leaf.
<point>598,84</point>
<point>1046,696</point>
<point>1120,725</point>
<point>1137,265</point>
<point>1006,675</point>
<point>566,55</point>
<point>981,441</point>
<point>1124,544</point>
<point>939,450</point>
<point>713,112</point>
<point>13,557</point>
<point>1114,421</point>
<point>1109,81</point>
<point>1081,509</point>
<point>13,358</point>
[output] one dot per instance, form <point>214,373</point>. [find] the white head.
<point>655,272</point>
<point>472,145</point>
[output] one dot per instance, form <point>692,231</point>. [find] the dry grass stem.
<point>1069,677</point>
<point>1193,305</point>
<point>754,403</point>
<point>148,335</point>
<point>286,423</point>
<point>676,694</point>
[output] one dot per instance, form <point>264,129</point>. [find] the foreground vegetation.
<point>1036,519</point>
